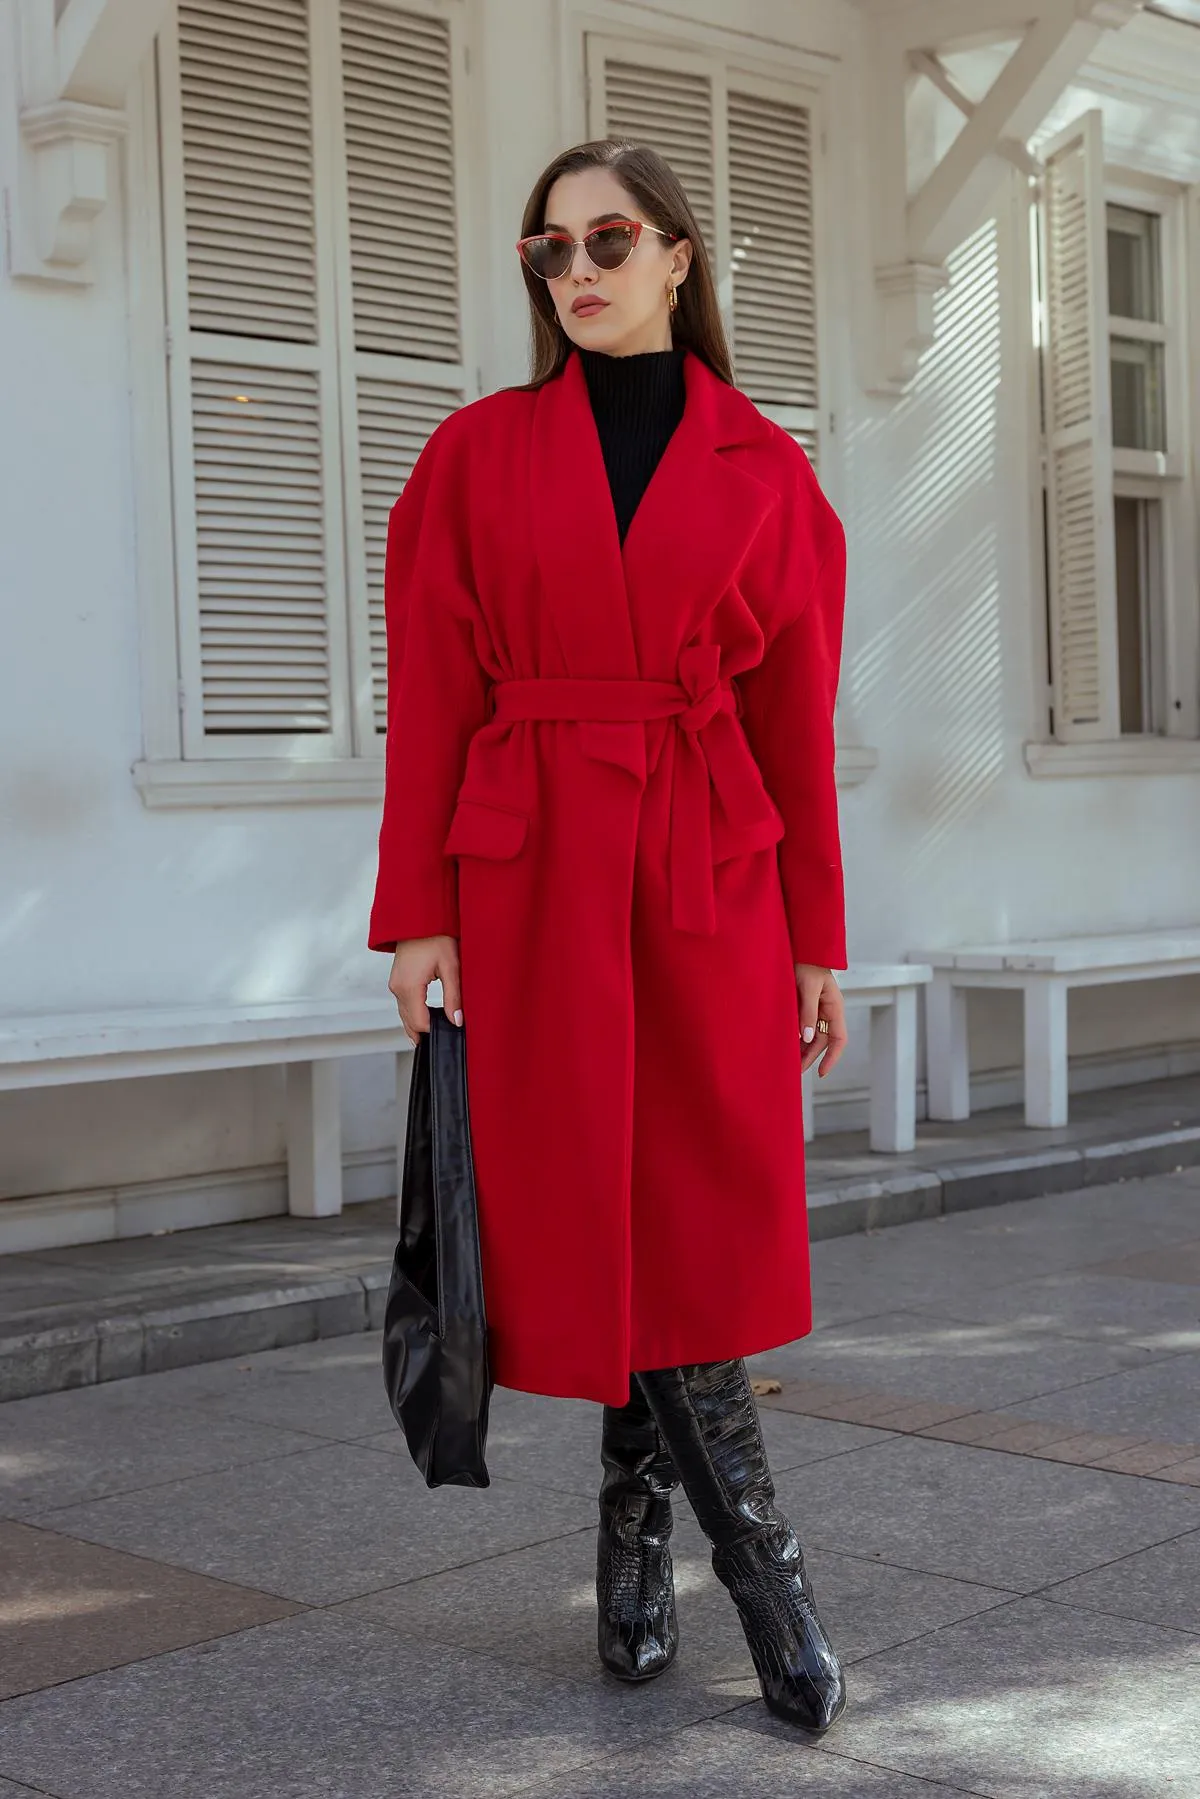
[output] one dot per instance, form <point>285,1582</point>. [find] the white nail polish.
<point>808,1033</point>
<point>458,1018</point>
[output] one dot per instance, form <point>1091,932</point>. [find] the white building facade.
<point>255,249</point>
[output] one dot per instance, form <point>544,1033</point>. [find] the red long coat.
<point>610,775</point>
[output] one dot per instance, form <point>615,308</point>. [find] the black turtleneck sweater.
<point>637,401</point>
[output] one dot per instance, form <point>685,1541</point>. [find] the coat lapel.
<point>625,611</point>
<point>687,539</point>
<point>575,532</point>
<point>697,517</point>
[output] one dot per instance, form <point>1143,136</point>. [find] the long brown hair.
<point>696,323</point>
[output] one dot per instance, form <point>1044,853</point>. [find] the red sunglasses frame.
<point>637,226</point>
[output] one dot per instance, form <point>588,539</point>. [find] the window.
<point>1122,576</point>
<point>742,144</point>
<point>313,247</point>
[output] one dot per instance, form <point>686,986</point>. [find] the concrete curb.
<point>216,1325</point>
<point>928,1193</point>
<point>191,1331</point>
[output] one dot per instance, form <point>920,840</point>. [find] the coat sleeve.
<point>788,702</point>
<point>436,700</point>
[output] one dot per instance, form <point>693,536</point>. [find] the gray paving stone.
<point>913,1544</point>
<point>544,1442</point>
<point>556,1442</point>
<point>1159,1586</point>
<point>1155,1210</point>
<point>1178,1266</point>
<point>1008,1521</point>
<point>71,1608</point>
<point>1027,1701</point>
<point>934,1262</point>
<point>1146,1314</point>
<point>1161,1400</point>
<point>921,1356</point>
<point>794,1441</point>
<point>341,1397</point>
<point>709,1761</point>
<point>323,1525</point>
<point>315,1707</point>
<point>538,1605</point>
<point>60,1449</point>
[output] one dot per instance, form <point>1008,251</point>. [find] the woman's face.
<point>634,315</point>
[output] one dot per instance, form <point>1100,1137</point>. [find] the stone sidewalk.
<point>93,1312</point>
<point>227,1581</point>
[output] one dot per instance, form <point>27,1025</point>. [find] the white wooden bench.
<point>308,1036</point>
<point>890,990</point>
<point>1043,969</point>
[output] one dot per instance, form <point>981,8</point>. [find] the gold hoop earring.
<point>672,298</point>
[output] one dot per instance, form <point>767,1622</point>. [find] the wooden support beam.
<point>914,232</point>
<point>957,191</point>
<point>923,62</point>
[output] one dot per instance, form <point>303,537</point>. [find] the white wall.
<point>104,903</point>
<point>951,838</point>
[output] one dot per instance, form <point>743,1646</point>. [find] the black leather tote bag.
<point>435,1360</point>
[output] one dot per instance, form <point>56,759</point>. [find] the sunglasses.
<point>550,253</point>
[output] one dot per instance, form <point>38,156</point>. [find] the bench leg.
<point>893,1113</point>
<point>1045,1053</point>
<point>314,1139</point>
<point>948,1068</point>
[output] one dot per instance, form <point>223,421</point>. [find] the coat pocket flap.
<point>480,829</point>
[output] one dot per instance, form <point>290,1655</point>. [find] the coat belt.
<point>711,748</point>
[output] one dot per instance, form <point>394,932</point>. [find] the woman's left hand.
<point>820,997</point>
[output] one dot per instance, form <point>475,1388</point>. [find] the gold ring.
<point>823,1025</point>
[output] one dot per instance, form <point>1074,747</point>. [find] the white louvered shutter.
<point>774,264</point>
<point>1082,558</point>
<point>253,386</point>
<point>671,109</point>
<point>670,100</point>
<point>742,147</point>
<point>400,273</point>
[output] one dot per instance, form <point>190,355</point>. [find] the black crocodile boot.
<point>635,1589</point>
<point>708,1417</point>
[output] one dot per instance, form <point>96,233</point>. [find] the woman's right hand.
<point>416,962</point>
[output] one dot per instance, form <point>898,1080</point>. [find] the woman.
<point>614,613</point>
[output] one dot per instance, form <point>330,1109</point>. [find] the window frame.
<point>177,768</point>
<point>795,76</point>
<point>1164,475</point>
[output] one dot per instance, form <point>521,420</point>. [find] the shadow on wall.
<point>928,674</point>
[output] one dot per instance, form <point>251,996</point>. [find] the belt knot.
<point>699,676</point>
